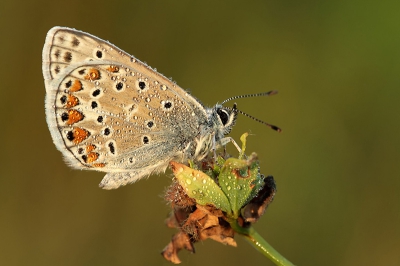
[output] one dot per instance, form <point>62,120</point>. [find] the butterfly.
<point>110,112</point>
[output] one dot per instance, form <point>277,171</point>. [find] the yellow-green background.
<point>336,163</point>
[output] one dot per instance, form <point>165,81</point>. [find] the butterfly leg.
<point>223,142</point>
<point>226,140</point>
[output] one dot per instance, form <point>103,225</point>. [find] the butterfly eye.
<point>223,115</point>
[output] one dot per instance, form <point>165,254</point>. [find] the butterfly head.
<point>223,119</point>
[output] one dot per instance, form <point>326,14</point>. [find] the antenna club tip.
<point>276,129</point>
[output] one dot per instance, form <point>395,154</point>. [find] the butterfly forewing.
<point>108,111</point>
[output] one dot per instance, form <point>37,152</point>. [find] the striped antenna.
<point>250,116</point>
<point>261,94</point>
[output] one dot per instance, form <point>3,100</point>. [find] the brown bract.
<point>196,224</point>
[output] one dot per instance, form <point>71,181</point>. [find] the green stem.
<point>261,245</point>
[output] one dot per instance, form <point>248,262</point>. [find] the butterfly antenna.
<point>255,119</point>
<point>260,121</point>
<point>270,93</point>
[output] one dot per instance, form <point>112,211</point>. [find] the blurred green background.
<point>336,65</point>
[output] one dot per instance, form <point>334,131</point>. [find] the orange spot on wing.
<point>113,69</point>
<point>79,135</point>
<point>93,74</point>
<point>90,148</point>
<point>77,86</point>
<point>74,116</point>
<point>91,157</point>
<point>71,101</point>
<point>99,165</point>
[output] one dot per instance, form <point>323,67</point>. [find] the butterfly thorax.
<point>212,135</point>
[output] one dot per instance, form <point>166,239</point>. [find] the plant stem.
<point>261,245</point>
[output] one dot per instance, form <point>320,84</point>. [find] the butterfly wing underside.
<point>108,111</point>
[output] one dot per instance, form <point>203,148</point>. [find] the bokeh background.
<point>336,65</point>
